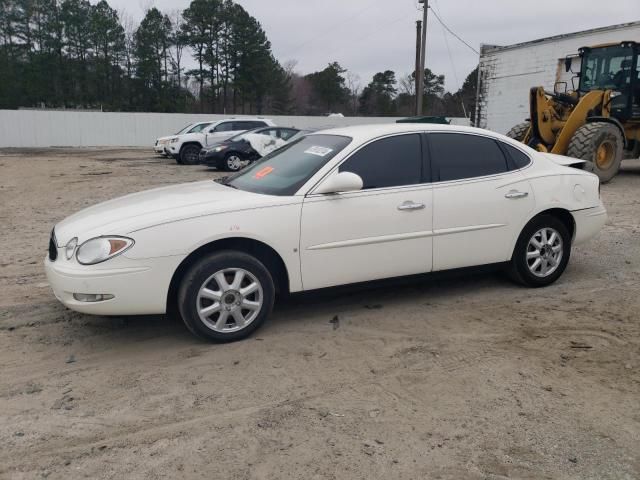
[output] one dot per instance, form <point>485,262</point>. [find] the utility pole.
<point>418,50</point>
<point>423,53</point>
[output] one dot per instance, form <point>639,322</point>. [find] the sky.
<point>369,36</point>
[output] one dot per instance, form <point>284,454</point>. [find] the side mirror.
<point>557,90</point>
<point>341,182</point>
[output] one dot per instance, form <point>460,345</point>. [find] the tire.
<point>225,301</point>
<point>601,145</point>
<point>232,162</point>
<point>523,269</point>
<point>189,155</point>
<point>519,131</point>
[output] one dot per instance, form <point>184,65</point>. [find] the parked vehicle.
<point>598,122</point>
<point>162,142</point>
<point>185,148</point>
<point>335,207</point>
<point>238,151</point>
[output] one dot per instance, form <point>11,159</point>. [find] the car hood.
<point>137,211</point>
<point>160,139</point>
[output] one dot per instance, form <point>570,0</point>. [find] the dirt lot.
<point>468,377</point>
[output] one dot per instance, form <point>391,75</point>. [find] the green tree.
<point>378,97</point>
<point>152,41</point>
<point>329,87</point>
<point>108,39</point>
<point>202,23</point>
<point>76,20</point>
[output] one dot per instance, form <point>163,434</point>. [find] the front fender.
<point>277,227</point>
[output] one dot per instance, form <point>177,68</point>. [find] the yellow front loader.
<point>598,122</point>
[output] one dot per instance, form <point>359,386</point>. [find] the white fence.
<point>38,128</point>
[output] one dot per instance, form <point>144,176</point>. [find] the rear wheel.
<point>601,145</point>
<point>226,296</point>
<point>542,252</point>
<point>190,155</point>
<point>519,131</point>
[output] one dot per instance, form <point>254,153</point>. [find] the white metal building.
<point>508,73</point>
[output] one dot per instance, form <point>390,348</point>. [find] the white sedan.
<point>332,208</point>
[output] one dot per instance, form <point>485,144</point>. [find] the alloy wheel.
<point>544,252</point>
<point>234,163</point>
<point>191,156</point>
<point>229,300</point>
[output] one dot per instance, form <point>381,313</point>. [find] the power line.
<point>372,32</point>
<point>452,32</point>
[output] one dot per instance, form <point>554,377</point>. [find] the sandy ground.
<point>467,377</point>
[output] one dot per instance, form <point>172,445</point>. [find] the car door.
<point>218,133</point>
<point>382,231</point>
<point>480,198</point>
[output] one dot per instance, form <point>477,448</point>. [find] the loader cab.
<point>613,67</point>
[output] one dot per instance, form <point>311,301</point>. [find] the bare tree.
<point>407,85</point>
<point>354,86</point>
<point>130,26</point>
<point>178,44</point>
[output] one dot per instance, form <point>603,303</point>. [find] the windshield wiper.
<point>225,181</point>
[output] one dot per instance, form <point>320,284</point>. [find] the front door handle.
<point>515,194</point>
<point>411,206</point>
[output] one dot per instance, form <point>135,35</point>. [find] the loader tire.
<point>519,131</point>
<point>601,146</point>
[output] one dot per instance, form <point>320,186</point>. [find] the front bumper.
<point>211,159</point>
<point>588,223</point>
<point>139,287</point>
<point>172,149</point>
<point>159,148</point>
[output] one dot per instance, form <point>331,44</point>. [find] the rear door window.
<point>458,156</point>
<point>248,125</point>
<point>518,157</point>
<point>389,162</point>
<point>224,127</point>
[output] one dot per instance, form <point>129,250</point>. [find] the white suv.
<point>185,148</point>
<point>162,142</point>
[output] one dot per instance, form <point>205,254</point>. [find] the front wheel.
<point>190,155</point>
<point>542,252</point>
<point>226,296</point>
<point>233,162</point>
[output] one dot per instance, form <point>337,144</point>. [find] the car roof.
<point>248,119</point>
<point>365,132</point>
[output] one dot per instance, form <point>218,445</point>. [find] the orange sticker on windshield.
<point>264,172</point>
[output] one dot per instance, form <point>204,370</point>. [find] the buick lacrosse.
<point>332,208</point>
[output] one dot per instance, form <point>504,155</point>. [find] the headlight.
<point>99,249</point>
<point>219,149</point>
<point>173,140</point>
<point>70,249</point>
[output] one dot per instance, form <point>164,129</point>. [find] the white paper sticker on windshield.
<point>319,151</point>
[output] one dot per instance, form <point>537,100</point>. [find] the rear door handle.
<point>515,194</point>
<point>411,206</point>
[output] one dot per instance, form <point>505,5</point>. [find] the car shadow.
<point>292,309</point>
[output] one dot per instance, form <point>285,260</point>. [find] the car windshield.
<point>198,128</point>
<point>285,170</point>
<point>184,129</point>
<point>606,68</point>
